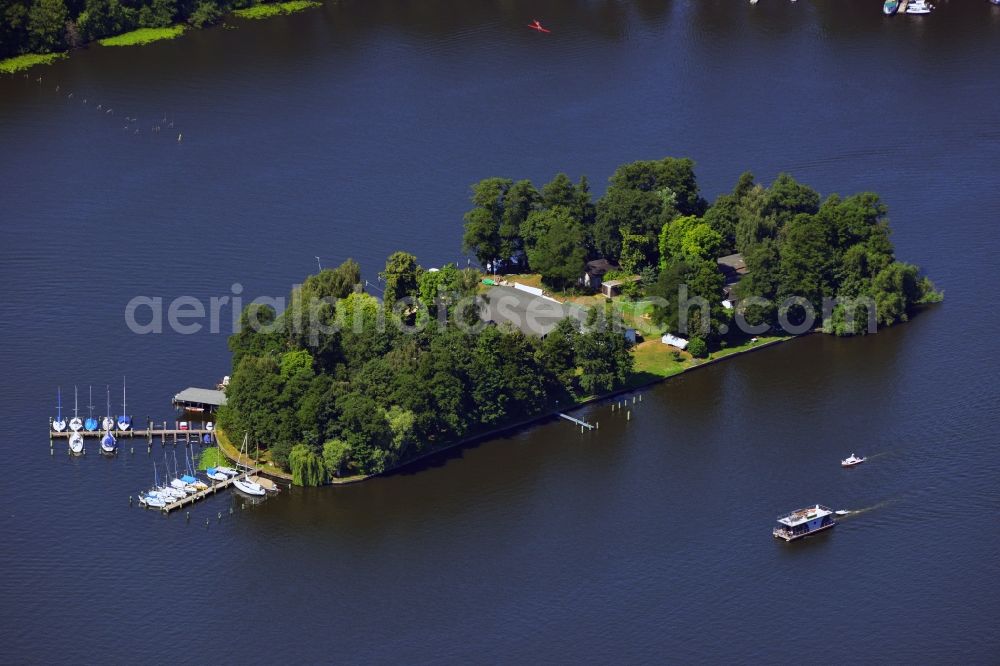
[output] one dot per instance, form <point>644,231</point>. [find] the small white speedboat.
<point>841,512</point>
<point>852,460</point>
<point>76,443</point>
<point>249,487</point>
<point>919,7</point>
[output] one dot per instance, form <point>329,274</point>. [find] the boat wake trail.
<point>857,512</point>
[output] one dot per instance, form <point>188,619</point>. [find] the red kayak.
<point>536,25</point>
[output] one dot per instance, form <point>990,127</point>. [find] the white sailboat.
<point>60,423</point>
<point>76,443</point>
<point>124,421</point>
<point>75,423</point>
<point>245,484</point>
<point>108,422</point>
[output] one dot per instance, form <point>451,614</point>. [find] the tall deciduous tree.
<point>559,255</point>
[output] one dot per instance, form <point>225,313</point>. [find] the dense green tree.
<point>334,283</point>
<point>402,278</point>
<point>604,358</point>
<point>724,214</point>
<point>697,347</point>
<point>47,25</point>
<point>807,267</point>
<point>561,191</point>
<point>520,200</point>
<point>307,467</point>
<point>670,173</point>
<point>559,255</point>
<point>557,356</point>
<point>689,288</point>
<point>638,252</point>
<point>336,457</point>
<point>363,426</point>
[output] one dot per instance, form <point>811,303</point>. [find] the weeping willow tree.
<point>307,467</point>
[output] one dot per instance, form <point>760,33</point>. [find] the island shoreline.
<point>228,450</point>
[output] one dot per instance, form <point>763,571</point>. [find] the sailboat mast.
<point>91,400</point>
<point>123,396</point>
<point>74,401</point>
<point>59,403</point>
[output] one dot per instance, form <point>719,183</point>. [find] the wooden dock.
<point>211,490</point>
<point>195,433</point>
<point>582,424</point>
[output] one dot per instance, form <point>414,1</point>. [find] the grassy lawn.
<point>653,360</point>
<point>211,457</point>
<point>143,36</point>
<point>274,9</point>
<point>636,314</point>
<point>728,351</point>
<point>21,62</point>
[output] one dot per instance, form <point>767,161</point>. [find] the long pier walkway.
<point>582,424</point>
<point>195,431</point>
<point>211,490</point>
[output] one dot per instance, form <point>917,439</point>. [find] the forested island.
<point>34,30</point>
<point>342,384</point>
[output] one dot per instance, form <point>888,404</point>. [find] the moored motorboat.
<point>889,7</point>
<point>803,522</point>
<point>852,460</point>
<point>919,7</point>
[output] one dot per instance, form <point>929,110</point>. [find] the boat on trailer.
<point>803,522</point>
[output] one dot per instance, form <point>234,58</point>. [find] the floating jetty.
<point>195,431</point>
<point>582,424</point>
<point>211,490</point>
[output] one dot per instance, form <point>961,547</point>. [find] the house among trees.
<point>733,268</point>
<point>593,275</point>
